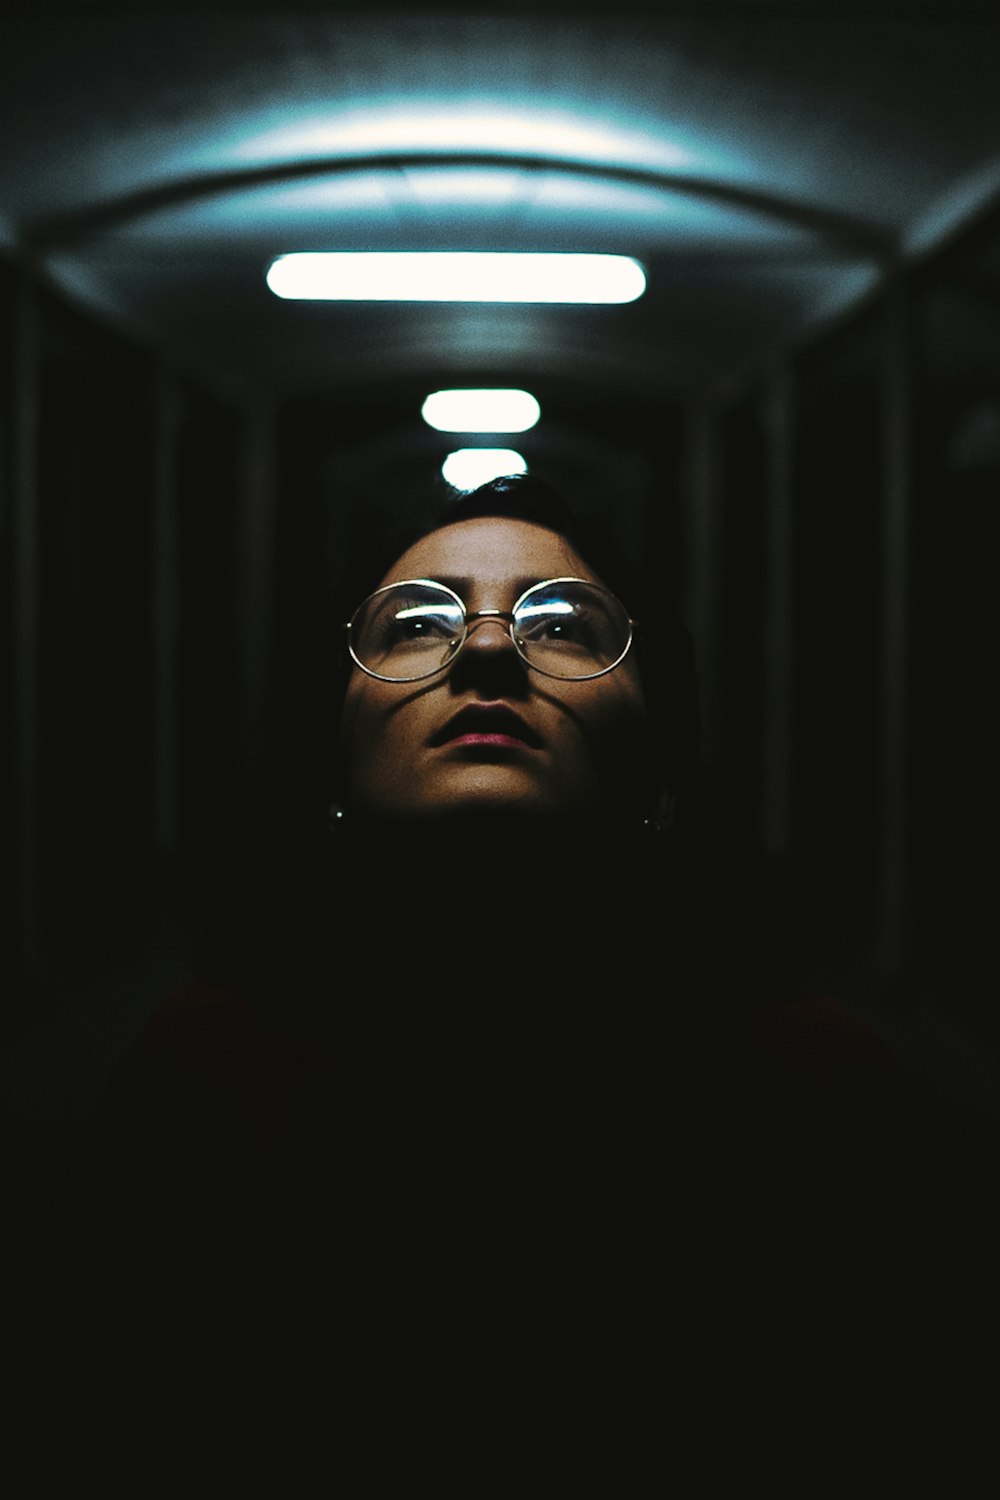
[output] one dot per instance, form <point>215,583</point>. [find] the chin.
<point>482,809</point>
<point>484,790</point>
<point>498,808</point>
<point>487,796</point>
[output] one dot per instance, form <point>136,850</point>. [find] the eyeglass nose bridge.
<point>488,614</point>
<point>504,616</point>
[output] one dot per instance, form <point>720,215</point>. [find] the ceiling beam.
<point>842,231</point>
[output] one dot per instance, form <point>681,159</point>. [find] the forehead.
<point>491,550</point>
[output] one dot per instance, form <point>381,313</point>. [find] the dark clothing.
<point>469,1146</point>
<point>428,1158</point>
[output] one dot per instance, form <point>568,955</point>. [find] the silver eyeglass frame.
<point>482,614</point>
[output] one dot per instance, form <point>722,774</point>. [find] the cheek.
<point>359,725</point>
<point>603,732</point>
<point>379,731</point>
<point>618,734</point>
<point>614,710</point>
<point>349,713</point>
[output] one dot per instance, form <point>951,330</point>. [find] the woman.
<point>483,1039</point>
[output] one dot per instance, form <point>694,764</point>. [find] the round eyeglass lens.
<point>568,628</point>
<point>407,630</point>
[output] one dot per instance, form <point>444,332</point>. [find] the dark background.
<point>811,474</point>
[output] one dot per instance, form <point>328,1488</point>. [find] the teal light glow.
<point>481,411</point>
<point>547,209</point>
<point>468,468</point>
<point>456,276</point>
<point>481,126</point>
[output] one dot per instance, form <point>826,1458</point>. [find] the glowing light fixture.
<point>455,276</point>
<point>468,468</point>
<point>481,411</point>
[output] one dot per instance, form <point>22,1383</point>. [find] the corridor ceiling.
<point>767,163</point>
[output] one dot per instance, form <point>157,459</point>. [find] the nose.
<point>489,630</point>
<point>489,659</point>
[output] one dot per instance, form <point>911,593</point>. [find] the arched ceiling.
<point>767,163</point>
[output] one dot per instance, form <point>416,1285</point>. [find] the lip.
<point>492,725</point>
<point>490,741</point>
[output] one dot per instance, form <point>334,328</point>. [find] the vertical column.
<point>26,584</point>
<point>897,437</point>
<point>165,607</point>
<point>777,625</point>
<point>255,564</point>
<point>700,595</point>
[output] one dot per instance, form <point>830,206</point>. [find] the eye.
<point>411,618</point>
<point>554,623</point>
<point>421,623</point>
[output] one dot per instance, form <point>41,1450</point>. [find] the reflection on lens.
<point>571,629</point>
<point>407,631</point>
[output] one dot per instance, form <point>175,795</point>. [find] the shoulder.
<point>205,1054</point>
<point>209,1024</point>
<point>827,1075</point>
<point>818,1032</point>
<point>207,1090</point>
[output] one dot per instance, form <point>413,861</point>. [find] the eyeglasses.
<point>564,627</point>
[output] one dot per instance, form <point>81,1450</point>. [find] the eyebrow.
<point>519,584</point>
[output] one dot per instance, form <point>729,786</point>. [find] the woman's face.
<point>489,734</point>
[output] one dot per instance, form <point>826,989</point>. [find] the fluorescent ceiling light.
<point>481,411</point>
<point>468,468</point>
<point>456,276</point>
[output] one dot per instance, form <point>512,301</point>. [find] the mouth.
<point>491,726</point>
